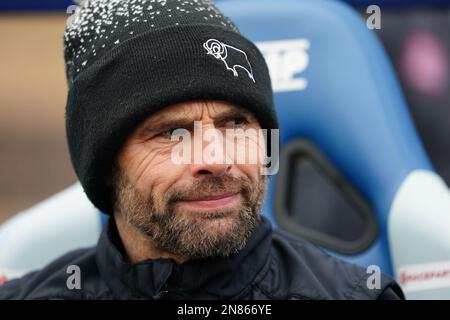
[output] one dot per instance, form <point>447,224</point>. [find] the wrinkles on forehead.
<point>184,114</point>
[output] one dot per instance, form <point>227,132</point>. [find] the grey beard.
<point>186,237</point>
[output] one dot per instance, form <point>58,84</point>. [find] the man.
<point>139,74</point>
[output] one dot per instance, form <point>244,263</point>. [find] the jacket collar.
<point>210,278</point>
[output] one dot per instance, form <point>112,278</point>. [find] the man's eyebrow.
<point>231,114</point>
<point>166,122</point>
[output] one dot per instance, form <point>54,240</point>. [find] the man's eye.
<point>167,134</point>
<point>237,122</point>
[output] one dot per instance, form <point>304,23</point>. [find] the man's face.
<point>195,209</point>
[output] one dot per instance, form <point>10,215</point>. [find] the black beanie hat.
<point>127,59</point>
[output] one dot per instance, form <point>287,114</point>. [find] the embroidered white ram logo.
<point>232,57</point>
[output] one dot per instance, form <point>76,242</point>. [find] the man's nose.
<point>203,162</point>
<point>204,169</point>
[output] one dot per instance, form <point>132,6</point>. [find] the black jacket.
<point>273,265</point>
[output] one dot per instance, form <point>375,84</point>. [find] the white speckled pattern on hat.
<point>99,25</point>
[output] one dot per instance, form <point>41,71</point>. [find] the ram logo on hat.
<point>232,57</point>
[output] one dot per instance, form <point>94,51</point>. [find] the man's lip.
<point>215,197</point>
<point>214,201</point>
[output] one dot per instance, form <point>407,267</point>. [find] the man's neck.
<point>137,246</point>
